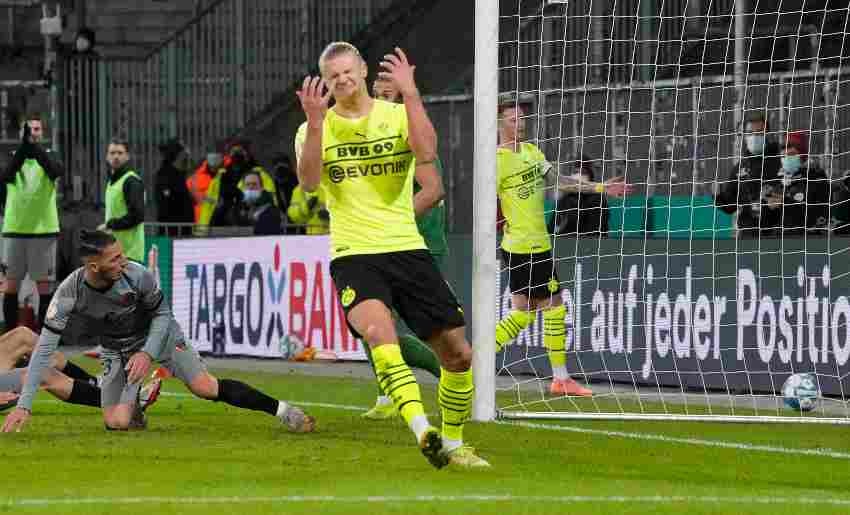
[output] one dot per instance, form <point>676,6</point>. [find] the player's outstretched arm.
<point>314,102</point>
<point>431,192</point>
<point>616,187</point>
<point>422,137</point>
<point>47,344</point>
<point>153,301</point>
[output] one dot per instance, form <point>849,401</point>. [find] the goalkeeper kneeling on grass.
<point>123,306</point>
<point>63,379</point>
<point>527,247</point>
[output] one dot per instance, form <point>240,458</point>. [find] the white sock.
<point>560,372</point>
<point>281,408</point>
<point>383,400</point>
<point>419,425</point>
<point>450,445</point>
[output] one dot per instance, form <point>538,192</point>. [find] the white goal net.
<point>725,271</point>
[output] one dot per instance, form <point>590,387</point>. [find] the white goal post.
<point>486,266</point>
<point>726,269</point>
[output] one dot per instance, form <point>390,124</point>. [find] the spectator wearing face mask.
<point>308,208</point>
<point>257,208</point>
<point>798,200</point>
<point>225,191</point>
<point>581,214</point>
<point>741,192</point>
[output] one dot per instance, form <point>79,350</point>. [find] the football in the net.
<point>801,392</point>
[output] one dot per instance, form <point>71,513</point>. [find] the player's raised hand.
<point>399,71</point>
<point>138,366</point>
<point>617,187</point>
<point>16,420</point>
<point>314,98</point>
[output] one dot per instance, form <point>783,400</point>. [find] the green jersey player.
<point>432,227</point>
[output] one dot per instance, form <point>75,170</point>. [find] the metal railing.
<point>202,84</point>
<point>187,230</point>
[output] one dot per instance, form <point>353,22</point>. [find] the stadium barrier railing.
<point>200,85</point>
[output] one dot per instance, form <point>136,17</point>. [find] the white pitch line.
<point>385,499</point>
<point>181,395</point>
<point>344,407</point>
<point>722,444</point>
<point>827,453</point>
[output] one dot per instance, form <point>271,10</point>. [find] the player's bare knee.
<point>23,339</point>
<point>58,361</point>
<point>24,334</point>
<point>204,386</point>
<point>520,303</point>
<point>379,334</point>
<point>457,359</point>
<point>455,353</point>
<point>547,302</point>
<point>50,379</point>
<point>374,335</point>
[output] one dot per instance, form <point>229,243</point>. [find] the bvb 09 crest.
<point>347,296</point>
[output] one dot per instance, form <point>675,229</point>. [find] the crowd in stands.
<point>230,188</point>
<point>776,189</point>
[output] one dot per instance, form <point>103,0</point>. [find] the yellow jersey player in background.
<point>527,247</point>
<point>361,152</point>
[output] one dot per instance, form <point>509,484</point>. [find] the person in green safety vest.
<point>30,220</point>
<point>125,201</point>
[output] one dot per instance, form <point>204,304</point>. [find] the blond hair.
<point>336,49</point>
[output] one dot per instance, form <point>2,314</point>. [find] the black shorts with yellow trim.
<point>407,281</point>
<point>532,275</point>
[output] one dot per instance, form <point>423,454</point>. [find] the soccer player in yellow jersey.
<point>526,245</point>
<point>361,153</point>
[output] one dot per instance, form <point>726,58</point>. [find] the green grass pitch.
<point>199,457</point>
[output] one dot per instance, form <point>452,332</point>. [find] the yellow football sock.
<point>509,327</point>
<point>397,381</point>
<point>455,398</point>
<point>555,339</point>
